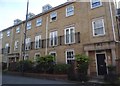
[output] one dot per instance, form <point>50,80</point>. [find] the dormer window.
<point>46,7</point>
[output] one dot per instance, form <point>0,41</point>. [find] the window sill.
<point>53,21</point>
<point>37,48</point>
<point>38,25</point>
<point>52,46</point>
<point>18,33</point>
<point>98,35</point>
<point>96,7</point>
<point>28,29</point>
<point>69,15</point>
<point>69,43</point>
<point>27,50</point>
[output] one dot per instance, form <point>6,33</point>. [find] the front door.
<point>101,64</point>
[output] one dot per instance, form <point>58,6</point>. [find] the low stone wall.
<point>41,76</point>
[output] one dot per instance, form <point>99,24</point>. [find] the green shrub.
<point>13,66</point>
<point>45,64</point>
<point>71,72</point>
<point>61,68</point>
<point>25,66</point>
<point>82,58</point>
<point>111,68</point>
<point>82,66</point>
<point>111,77</point>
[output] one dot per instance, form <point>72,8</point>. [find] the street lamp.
<point>24,50</point>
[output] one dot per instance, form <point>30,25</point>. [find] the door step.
<point>98,79</point>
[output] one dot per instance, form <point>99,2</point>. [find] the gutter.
<point>113,26</point>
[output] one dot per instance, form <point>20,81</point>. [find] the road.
<point>9,79</point>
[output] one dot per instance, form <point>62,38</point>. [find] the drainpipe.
<point>113,26</point>
<point>21,42</point>
<point>114,36</point>
<point>46,35</point>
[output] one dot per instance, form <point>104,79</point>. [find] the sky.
<point>16,9</point>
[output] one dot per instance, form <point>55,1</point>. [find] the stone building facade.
<point>67,30</point>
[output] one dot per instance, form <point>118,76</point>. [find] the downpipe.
<point>113,26</point>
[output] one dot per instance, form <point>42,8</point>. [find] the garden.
<point>77,70</point>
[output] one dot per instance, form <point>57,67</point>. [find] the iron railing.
<point>60,42</point>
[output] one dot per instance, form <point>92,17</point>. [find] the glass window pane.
<point>96,3</point>
<point>53,54</point>
<point>8,33</point>
<point>37,41</point>
<point>70,56</point>
<point>39,22</point>
<point>98,27</point>
<point>67,36</point>
<point>17,29</point>
<point>53,16</point>
<point>28,25</point>
<point>98,23</point>
<point>72,35</point>
<point>53,38</point>
<point>70,10</point>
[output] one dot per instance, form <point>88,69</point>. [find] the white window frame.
<point>26,57</point>
<point>103,25</point>
<point>52,15</point>
<point>7,48</point>
<point>70,50</point>
<point>70,41</point>
<point>6,45</point>
<point>53,35</point>
<point>1,35</point>
<point>27,43</point>
<point>16,44</point>
<point>18,30</point>
<point>39,22</point>
<point>37,41</point>
<point>29,25</point>
<point>55,54</point>
<point>35,56</point>
<point>91,2</point>
<point>71,12</point>
<point>8,33</point>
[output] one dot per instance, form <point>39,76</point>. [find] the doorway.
<point>101,64</point>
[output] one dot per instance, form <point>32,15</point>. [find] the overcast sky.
<point>16,9</point>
